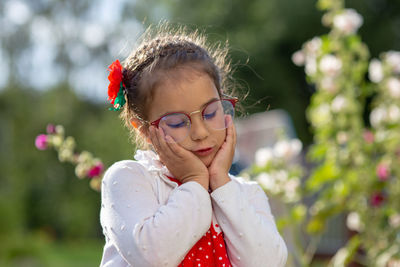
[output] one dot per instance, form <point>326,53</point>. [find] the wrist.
<point>218,181</point>
<point>203,181</point>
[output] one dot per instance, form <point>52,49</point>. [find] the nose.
<point>198,129</point>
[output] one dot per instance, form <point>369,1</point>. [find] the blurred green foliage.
<point>39,196</point>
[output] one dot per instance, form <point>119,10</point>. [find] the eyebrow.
<point>201,107</point>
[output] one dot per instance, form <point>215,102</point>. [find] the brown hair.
<point>165,49</point>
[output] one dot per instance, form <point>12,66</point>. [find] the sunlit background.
<point>53,69</point>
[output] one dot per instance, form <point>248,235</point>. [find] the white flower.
<point>328,84</point>
<point>339,103</point>
<point>381,135</point>
<point>311,66</point>
<point>393,114</point>
<point>65,155</point>
<point>287,149</point>
<point>321,115</point>
<point>85,157</point>
<point>81,170</point>
<point>393,59</point>
<point>393,86</point>
<point>56,140</point>
<point>353,222</point>
<point>299,58</point>
<point>348,22</point>
<point>394,220</point>
<point>280,176</point>
<point>330,65</point>
<point>290,189</point>
<point>375,71</point>
<point>267,182</point>
<point>263,156</point>
<point>60,129</point>
<point>313,46</point>
<point>377,116</point>
<point>342,137</point>
<point>296,145</point>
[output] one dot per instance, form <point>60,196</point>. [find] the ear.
<point>143,131</point>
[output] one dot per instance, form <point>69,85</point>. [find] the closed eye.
<point>209,115</point>
<point>177,125</point>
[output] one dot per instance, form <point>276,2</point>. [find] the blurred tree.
<point>267,33</point>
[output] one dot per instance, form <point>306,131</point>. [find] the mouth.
<point>204,151</point>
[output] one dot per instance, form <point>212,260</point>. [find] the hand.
<point>219,168</point>
<point>182,164</point>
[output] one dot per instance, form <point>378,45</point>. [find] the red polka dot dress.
<point>209,251</point>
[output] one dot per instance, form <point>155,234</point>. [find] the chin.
<point>208,160</point>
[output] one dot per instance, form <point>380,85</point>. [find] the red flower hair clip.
<point>116,86</point>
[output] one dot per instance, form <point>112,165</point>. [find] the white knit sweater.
<point>148,220</point>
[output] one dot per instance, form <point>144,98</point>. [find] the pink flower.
<point>369,137</point>
<point>96,170</point>
<point>382,170</point>
<point>51,129</point>
<point>376,199</point>
<point>41,142</point>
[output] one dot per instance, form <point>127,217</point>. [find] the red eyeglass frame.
<point>232,100</point>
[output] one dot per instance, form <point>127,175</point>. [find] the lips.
<point>204,151</point>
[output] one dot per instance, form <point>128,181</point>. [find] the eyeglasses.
<point>215,116</point>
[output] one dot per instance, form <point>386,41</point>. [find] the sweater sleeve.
<point>144,231</point>
<point>250,233</point>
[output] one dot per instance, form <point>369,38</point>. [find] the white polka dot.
<point>214,236</point>
<point>220,258</point>
<point>238,258</point>
<point>115,182</point>
<point>206,256</point>
<point>220,245</point>
<point>129,253</point>
<point>200,248</point>
<point>128,206</point>
<point>209,232</point>
<point>192,254</point>
<point>199,264</point>
<point>240,234</point>
<point>122,227</point>
<point>209,243</point>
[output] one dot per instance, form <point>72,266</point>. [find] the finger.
<point>234,134</point>
<point>161,141</point>
<point>154,139</point>
<point>175,147</point>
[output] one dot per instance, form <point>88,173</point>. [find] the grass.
<point>84,253</point>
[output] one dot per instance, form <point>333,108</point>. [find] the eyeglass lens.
<point>177,125</point>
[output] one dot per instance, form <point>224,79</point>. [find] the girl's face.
<point>188,90</point>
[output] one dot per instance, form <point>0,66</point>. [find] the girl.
<point>177,205</point>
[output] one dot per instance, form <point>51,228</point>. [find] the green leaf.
<point>322,174</point>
